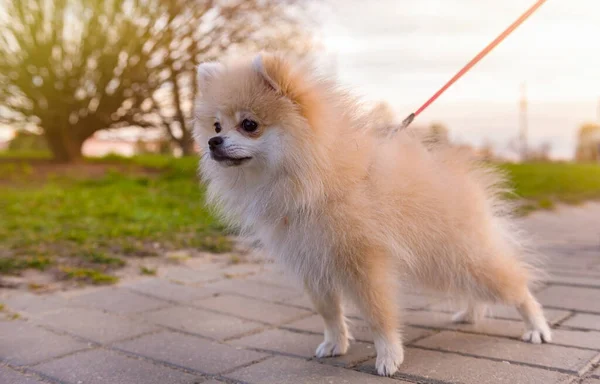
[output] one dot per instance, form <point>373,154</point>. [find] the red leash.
<point>406,122</point>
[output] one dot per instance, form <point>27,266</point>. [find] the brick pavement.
<point>249,323</point>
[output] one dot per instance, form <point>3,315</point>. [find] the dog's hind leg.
<point>538,330</point>
<point>474,312</point>
<point>506,280</point>
<point>328,304</point>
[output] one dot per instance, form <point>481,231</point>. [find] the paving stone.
<point>350,309</point>
<point>242,270</point>
<point>553,316</point>
<point>23,343</point>
<point>514,329</point>
<point>118,300</point>
<point>573,263</point>
<point>303,345</point>
<point>31,304</point>
<point>582,320</point>
<point>574,280</point>
<point>9,376</point>
<point>575,298</point>
<point>596,372</point>
<point>201,322</point>
<point>550,356</point>
<point>438,320</point>
<point>102,367</point>
<point>280,370</point>
<point>253,289</point>
<point>584,339</point>
<point>562,262</point>
<point>252,309</point>
<point>358,329</point>
<point>569,236</point>
<point>94,324</point>
<point>502,312</point>
<point>187,275</point>
<point>190,352</point>
<point>168,290</point>
<point>278,277</point>
<point>589,273</point>
<point>424,366</point>
<point>591,381</point>
<point>277,340</point>
<point>303,302</point>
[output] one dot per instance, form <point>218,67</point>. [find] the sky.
<point>402,51</point>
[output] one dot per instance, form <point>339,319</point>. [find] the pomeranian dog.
<point>289,157</point>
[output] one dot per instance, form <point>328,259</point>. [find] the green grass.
<point>83,226</point>
<point>139,207</point>
<point>88,275</point>
<point>147,271</point>
<point>15,170</point>
<point>544,184</point>
<point>98,257</point>
<point>13,264</point>
<point>25,155</point>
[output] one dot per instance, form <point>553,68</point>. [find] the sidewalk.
<point>247,323</point>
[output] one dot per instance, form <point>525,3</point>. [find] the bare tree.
<point>67,70</point>
<point>70,68</point>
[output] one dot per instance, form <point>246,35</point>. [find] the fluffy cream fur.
<point>350,210</point>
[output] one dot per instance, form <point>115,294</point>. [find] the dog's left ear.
<point>278,74</point>
<point>289,81</point>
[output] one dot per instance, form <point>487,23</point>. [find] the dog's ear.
<point>289,81</point>
<point>206,72</point>
<point>278,74</point>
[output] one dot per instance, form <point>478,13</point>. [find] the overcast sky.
<point>402,51</point>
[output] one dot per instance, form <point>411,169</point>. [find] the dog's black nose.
<point>214,142</point>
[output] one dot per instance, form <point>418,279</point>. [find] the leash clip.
<point>405,123</point>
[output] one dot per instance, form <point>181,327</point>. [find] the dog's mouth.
<point>228,160</point>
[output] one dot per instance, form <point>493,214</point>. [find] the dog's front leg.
<point>328,303</point>
<point>374,288</point>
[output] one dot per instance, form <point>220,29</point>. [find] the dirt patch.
<point>55,278</point>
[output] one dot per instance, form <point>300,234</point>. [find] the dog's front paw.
<point>538,336</point>
<point>332,348</point>
<point>389,360</point>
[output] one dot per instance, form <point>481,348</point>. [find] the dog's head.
<point>254,114</point>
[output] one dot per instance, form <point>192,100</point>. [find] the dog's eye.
<point>217,127</point>
<point>249,125</point>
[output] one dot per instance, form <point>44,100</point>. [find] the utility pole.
<point>523,122</point>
